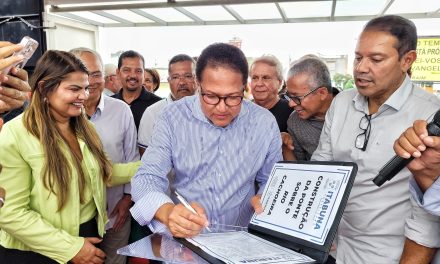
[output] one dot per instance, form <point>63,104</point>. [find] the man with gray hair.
<point>181,72</point>
<point>266,74</point>
<point>309,93</point>
<point>114,123</point>
<point>112,82</point>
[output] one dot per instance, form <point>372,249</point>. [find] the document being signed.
<point>242,247</point>
<point>303,204</point>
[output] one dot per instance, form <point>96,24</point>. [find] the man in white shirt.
<point>181,72</point>
<point>114,123</point>
<point>361,126</point>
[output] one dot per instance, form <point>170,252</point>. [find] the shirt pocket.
<point>41,199</point>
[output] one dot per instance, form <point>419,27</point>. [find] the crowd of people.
<point>90,156</point>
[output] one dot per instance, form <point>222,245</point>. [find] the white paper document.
<point>242,247</point>
<point>302,201</point>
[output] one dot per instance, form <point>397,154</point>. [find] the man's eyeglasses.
<point>230,100</point>
<point>362,139</point>
<point>186,77</point>
<point>297,99</point>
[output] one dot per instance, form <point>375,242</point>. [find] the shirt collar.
<point>399,97</point>
<point>144,95</point>
<point>99,108</point>
<point>119,94</point>
<point>169,99</point>
<point>101,103</point>
<point>396,100</point>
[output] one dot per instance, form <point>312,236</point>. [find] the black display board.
<point>14,29</point>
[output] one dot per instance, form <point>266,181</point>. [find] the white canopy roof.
<point>114,13</point>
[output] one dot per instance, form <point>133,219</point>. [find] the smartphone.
<point>29,47</point>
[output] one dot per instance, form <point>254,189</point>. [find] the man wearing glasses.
<point>115,126</point>
<point>310,93</point>
<point>181,72</point>
<point>221,148</point>
<point>361,126</point>
<point>266,74</point>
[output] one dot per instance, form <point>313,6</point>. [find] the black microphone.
<point>397,163</point>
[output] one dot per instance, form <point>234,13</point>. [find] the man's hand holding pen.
<point>188,220</point>
<point>184,223</point>
<point>181,221</point>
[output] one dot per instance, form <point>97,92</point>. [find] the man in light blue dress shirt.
<point>425,169</point>
<point>221,147</point>
<point>425,185</point>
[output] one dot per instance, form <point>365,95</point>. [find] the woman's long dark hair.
<point>52,68</point>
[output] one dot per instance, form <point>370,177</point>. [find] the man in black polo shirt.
<point>130,72</point>
<point>266,73</point>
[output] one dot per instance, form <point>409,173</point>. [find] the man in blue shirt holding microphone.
<point>221,148</point>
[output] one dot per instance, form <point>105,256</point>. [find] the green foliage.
<point>343,81</point>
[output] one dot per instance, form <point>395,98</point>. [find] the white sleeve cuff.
<point>157,227</point>
<point>127,188</point>
<point>145,208</point>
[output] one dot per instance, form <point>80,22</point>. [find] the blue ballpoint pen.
<point>188,206</point>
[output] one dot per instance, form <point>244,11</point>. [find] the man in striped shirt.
<point>221,148</point>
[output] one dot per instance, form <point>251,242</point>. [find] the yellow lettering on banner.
<point>427,65</point>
